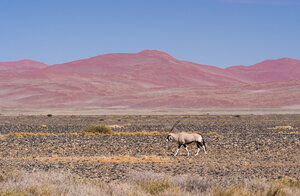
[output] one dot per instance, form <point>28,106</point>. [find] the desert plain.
<point>239,146</point>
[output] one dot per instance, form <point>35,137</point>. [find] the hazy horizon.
<point>225,66</point>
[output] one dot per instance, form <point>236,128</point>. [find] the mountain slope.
<point>22,66</point>
<point>147,79</point>
<point>269,70</point>
<point>150,66</point>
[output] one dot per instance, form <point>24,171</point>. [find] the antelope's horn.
<point>174,125</point>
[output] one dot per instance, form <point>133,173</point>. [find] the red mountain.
<point>147,79</point>
<point>269,70</point>
<point>150,66</point>
<point>22,66</point>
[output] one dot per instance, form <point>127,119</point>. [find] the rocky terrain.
<point>239,146</point>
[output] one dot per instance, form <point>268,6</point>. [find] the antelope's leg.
<point>203,146</point>
<point>177,150</point>
<point>198,148</point>
<point>186,148</point>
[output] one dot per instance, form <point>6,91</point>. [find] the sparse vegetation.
<point>103,159</point>
<point>154,187</point>
<point>98,129</point>
<point>246,156</point>
<point>288,127</point>
<point>40,183</point>
<point>21,134</point>
<point>15,183</point>
<point>290,182</point>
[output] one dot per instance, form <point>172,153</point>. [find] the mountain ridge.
<point>148,78</point>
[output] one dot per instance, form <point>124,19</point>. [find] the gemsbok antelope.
<point>184,138</point>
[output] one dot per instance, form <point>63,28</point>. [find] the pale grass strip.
<point>21,134</point>
<point>288,127</point>
<point>115,159</point>
<point>87,133</point>
<point>291,132</point>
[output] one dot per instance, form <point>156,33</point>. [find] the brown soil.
<point>246,146</point>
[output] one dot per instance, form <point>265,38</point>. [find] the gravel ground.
<point>246,146</point>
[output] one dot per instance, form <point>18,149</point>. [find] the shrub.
<point>49,115</point>
<point>231,191</point>
<point>99,129</point>
<point>290,182</point>
<point>276,190</point>
<point>155,186</point>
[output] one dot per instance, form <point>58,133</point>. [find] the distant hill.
<point>149,66</point>
<point>22,66</point>
<point>147,79</point>
<point>269,70</point>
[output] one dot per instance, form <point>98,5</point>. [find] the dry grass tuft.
<point>288,127</point>
<point>290,182</point>
<point>231,191</point>
<point>291,132</point>
<point>155,187</point>
<point>98,129</point>
<point>284,127</point>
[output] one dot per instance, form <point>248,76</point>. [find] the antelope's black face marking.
<point>168,138</point>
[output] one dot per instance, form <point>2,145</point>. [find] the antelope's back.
<point>189,137</point>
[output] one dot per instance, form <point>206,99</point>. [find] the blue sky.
<point>213,32</point>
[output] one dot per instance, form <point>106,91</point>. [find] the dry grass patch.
<point>290,182</point>
<point>154,187</point>
<point>291,132</point>
<point>144,183</point>
<point>123,133</point>
<point>284,129</point>
<point>288,127</point>
<point>38,183</point>
<point>141,133</point>
<point>115,159</point>
<point>21,134</point>
<point>98,129</point>
<point>131,159</point>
